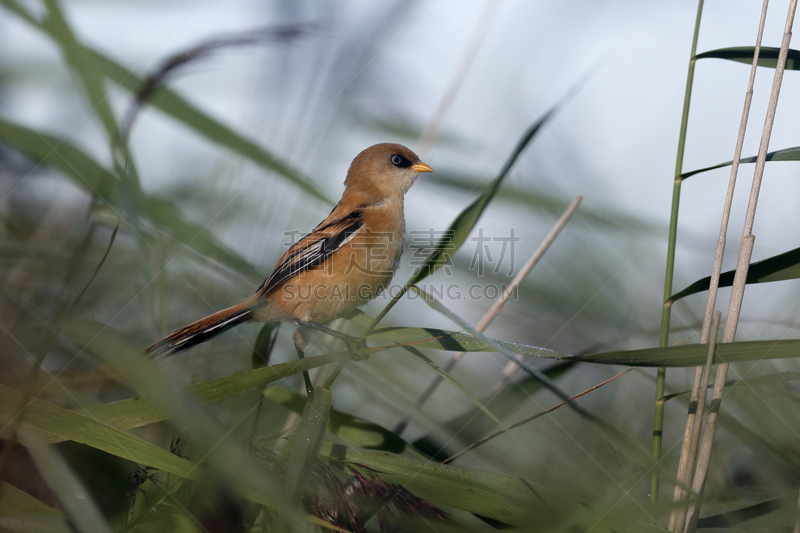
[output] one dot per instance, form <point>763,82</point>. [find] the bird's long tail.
<point>201,331</point>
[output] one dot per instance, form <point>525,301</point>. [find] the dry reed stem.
<point>498,305</point>
<point>678,516</point>
<point>477,38</point>
<point>693,421</point>
<point>743,264</point>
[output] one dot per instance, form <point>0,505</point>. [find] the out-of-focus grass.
<point>253,453</point>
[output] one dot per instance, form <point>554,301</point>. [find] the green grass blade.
<point>70,490</point>
<point>137,412</point>
<point>56,25</point>
<point>767,56</point>
<point>508,499</point>
<point>171,103</point>
<point>696,354</point>
<point>510,354</point>
<point>473,424</point>
<point>207,436</point>
<point>786,154</point>
<point>733,517</point>
<point>440,339</point>
<point>44,417</point>
<point>265,344</point>
<point>14,501</point>
<point>64,157</point>
<point>306,444</point>
<point>776,268</point>
<point>750,382</point>
<point>95,180</point>
<point>354,430</point>
<point>466,392</point>
<point>462,226</point>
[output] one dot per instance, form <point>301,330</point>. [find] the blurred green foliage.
<point>214,440</point>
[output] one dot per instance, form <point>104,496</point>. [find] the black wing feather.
<point>313,255</point>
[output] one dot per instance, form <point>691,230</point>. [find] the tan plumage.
<point>347,260</point>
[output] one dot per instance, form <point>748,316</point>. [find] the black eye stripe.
<point>399,161</point>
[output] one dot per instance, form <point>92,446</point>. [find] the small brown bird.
<point>347,260</point>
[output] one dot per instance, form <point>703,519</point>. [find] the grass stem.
<point>691,432</point>
<point>742,267</point>
<point>661,376</point>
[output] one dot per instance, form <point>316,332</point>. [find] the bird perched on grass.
<point>347,260</point>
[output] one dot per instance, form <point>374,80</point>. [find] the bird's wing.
<point>313,249</point>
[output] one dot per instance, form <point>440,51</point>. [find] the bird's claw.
<point>353,345</point>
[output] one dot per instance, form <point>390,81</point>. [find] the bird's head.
<point>384,170</point>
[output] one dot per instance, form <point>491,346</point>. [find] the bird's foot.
<point>353,344</point>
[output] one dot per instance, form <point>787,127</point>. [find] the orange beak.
<point>421,167</point>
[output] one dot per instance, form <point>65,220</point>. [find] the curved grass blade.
<point>767,56</point>
<point>14,501</point>
<point>209,438</point>
<point>174,105</point>
<point>731,518</point>
<point>751,382</point>
<point>452,341</point>
<point>507,499</point>
<point>265,343</point>
<point>463,390</point>
<point>498,347</point>
<point>95,180</point>
<point>462,226</point>
<point>696,354</point>
<point>786,154</point>
<point>137,412</point>
<point>306,444</point>
<point>60,155</point>
<point>43,417</point>
<point>72,494</point>
<point>776,268</point>
<point>57,27</point>
<point>352,429</point>
<point>93,66</point>
<point>473,424</point>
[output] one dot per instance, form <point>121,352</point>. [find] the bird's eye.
<point>399,161</point>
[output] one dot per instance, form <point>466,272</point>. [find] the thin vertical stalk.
<point>476,39</point>
<point>661,376</point>
<point>693,420</point>
<point>678,516</point>
<point>742,267</point>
